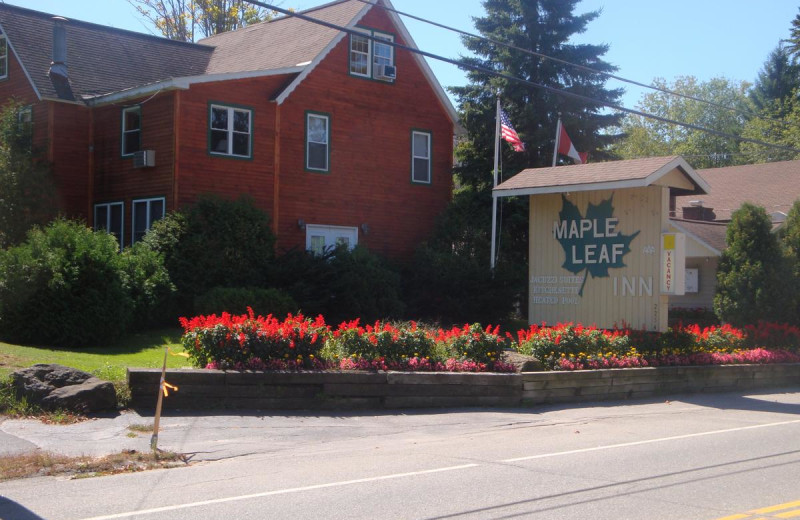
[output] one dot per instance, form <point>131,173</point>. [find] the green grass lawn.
<point>142,350</point>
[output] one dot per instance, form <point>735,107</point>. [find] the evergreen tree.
<point>776,81</point>
<point>790,240</point>
<point>462,242</point>
<point>752,271</point>
<point>544,27</point>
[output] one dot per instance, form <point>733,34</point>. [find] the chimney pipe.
<point>59,64</point>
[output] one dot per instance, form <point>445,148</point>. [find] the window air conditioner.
<point>386,72</point>
<point>144,159</point>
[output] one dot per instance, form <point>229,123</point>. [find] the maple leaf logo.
<point>591,244</point>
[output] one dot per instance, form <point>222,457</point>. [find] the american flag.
<point>508,132</point>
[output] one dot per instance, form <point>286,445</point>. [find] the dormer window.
<point>372,58</point>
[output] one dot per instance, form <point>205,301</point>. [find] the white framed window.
<point>131,130</point>
<point>360,52</point>
<point>420,157</point>
<point>110,217</point>
<point>318,141</point>
<point>320,239</point>
<point>369,58</point>
<point>145,212</point>
<point>383,54</point>
<point>230,131</point>
<point>3,57</point>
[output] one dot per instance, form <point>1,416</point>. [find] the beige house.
<point>704,219</point>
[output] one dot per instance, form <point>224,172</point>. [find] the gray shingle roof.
<point>711,233</point>
<point>104,60</point>
<point>100,59</point>
<point>602,175</point>
<point>280,43</point>
<point>775,186</point>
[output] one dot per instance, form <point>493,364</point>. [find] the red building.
<point>338,136</point>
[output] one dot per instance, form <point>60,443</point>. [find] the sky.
<point>646,38</point>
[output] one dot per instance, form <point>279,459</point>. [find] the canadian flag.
<point>565,147</point>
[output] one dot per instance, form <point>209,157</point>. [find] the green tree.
<point>645,137</point>
<point>453,267</point>
<point>545,27</point>
<point>776,81</point>
<point>188,20</point>
<point>779,123</point>
<point>27,188</point>
<point>790,240</point>
<point>793,41</point>
<point>751,277</point>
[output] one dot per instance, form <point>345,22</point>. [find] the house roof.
<point>671,171</point>
<point>100,59</point>
<point>107,64</point>
<point>775,186</point>
<point>290,41</point>
<point>709,234</point>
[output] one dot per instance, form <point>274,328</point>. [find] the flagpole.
<point>496,166</point>
<point>558,138</point>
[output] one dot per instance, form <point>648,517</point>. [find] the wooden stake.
<point>154,438</point>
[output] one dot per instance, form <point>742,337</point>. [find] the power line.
<point>560,92</point>
<point>574,65</point>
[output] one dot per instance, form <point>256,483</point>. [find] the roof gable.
<point>671,171</point>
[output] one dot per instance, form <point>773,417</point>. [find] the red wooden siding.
<point>70,148</point>
<point>369,181</point>
<point>201,172</point>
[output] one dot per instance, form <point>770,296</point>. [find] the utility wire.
<point>560,92</point>
<point>575,65</point>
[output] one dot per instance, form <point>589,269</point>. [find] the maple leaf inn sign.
<point>597,241</point>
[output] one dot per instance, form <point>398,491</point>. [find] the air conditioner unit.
<point>144,159</point>
<point>386,72</point>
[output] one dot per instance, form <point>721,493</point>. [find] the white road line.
<point>425,472</point>
<point>278,492</point>
<point>650,441</point>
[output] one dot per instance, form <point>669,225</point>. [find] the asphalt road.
<point>701,457</point>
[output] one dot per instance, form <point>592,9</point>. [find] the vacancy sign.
<point>673,263</point>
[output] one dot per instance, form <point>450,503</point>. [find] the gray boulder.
<point>58,387</point>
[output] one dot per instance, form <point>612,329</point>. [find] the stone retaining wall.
<point>208,389</point>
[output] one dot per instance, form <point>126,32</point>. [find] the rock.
<point>522,362</point>
<point>59,387</point>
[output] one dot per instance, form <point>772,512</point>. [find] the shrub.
<point>450,280</point>
<point>237,300</point>
<point>64,286</point>
<point>341,284</point>
<point>752,270</point>
<point>214,243</point>
<point>149,286</point>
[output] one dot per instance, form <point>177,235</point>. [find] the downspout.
<point>176,143</point>
<point>276,190</point>
<point>90,202</point>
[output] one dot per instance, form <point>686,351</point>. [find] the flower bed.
<point>574,347</point>
<point>249,342</point>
